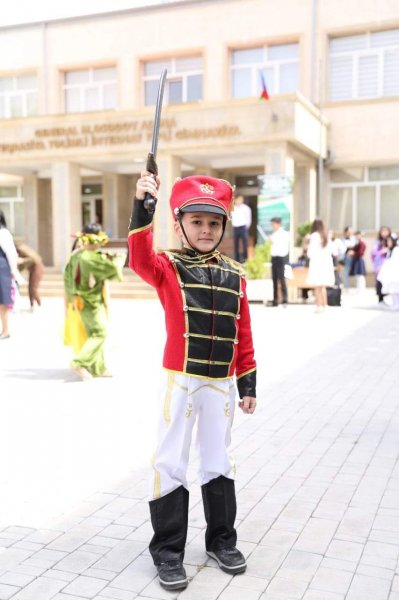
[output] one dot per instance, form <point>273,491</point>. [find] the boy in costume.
<point>209,341</point>
<point>85,278</point>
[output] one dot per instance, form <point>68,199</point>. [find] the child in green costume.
<point>85,278</point>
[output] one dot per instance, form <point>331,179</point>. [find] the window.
<point>184,80</point>
<point>90,89</point>
<point>364,198</point>
<point>364,66</point>
<point>278,64</point>
<point>12,204</point>
<point>18,96</point>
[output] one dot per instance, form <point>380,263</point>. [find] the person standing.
<point>33,262</point>
<point>358,268</point>
<point>8,273</point>
<point>241,219</point>
<point>388,275</point>
<point>85,278</point>
<point>379,253</point>
<point>349,242</point>
<point>280,244</point>
<point>321,265</point>
<point>209,341</point>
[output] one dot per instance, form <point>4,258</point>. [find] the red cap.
<point>203,194</point>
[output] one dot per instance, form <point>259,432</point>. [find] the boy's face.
<point>203,230</point>
<point>275,225</point>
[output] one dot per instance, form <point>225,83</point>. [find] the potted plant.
<point>257,270</point>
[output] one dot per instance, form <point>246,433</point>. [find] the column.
<point>169,169</point>
<point>30,193</point>
<point>312,192</point>
<point>66,205</point>
<point>111,193</point>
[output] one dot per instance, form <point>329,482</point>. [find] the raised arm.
<point>142,258</point>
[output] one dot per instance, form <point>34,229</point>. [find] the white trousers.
<point>187,400</point>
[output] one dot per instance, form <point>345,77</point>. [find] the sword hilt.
<point>149,201</point>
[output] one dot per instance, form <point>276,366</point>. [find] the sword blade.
<point>158,110</point>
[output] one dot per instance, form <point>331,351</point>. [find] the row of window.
<point>360,66</point>
<point>365,198</point>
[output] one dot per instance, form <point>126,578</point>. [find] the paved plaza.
<point>317,476</point>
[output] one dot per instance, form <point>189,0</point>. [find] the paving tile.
<point>7,591</point>
<point>368,588</point>
<point>299,566</point>
<point>137,576</point>
<point>338,564</point>
<point>237,593</point>
<point>317,595</point>
<point>120,556</point>
<point>377,572</point>
<point>119,532</point>
<point>284,589</point>
<point>265,561</point>
<point>62,596</point>
<point>344,550</point>
<point>77,561</point>
<point>57,574</point>
<point>331,580</point>
<point>244,582</point>
<point>208,583</point>
<point>42,587</point>
<point>316,535</point>
<point>86,587</point>
<point>99,574</point>
<point>17,579</point>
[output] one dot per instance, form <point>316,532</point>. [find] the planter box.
<point>259,290</point>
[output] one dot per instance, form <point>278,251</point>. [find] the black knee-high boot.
<point>169,518</point>
<point>220,509</point>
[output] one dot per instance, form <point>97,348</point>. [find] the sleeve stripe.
<point>246,373</point>
<point>139,229</point>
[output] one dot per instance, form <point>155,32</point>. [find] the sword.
<point>149,201</point>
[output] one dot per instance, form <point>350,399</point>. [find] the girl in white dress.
<point>389,272</point>
<point>321,267</point>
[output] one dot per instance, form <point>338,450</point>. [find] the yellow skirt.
<point>74,331</point>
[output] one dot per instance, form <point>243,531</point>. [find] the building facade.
<point>77,101</point>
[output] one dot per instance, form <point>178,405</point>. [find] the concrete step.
<point>52,285</point>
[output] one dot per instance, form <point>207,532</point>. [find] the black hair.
<point>383,239</point>
<point>3,222</point>
<point>91,228</point>
<point>276,220</point>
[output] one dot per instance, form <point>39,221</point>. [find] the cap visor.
<point>209,208</point>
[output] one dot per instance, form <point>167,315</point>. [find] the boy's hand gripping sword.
<point>149,201</point>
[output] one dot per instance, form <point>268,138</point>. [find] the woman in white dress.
<point>321,267</point>
<point>388,275</point>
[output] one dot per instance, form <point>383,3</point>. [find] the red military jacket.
<point>206,308</point>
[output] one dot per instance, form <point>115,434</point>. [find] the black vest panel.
<point>211,293</point>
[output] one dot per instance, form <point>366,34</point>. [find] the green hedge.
<point>256,266</point>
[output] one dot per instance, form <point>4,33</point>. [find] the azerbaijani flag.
<point>264,95</point>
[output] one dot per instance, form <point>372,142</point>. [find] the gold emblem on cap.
<point>206,188</point>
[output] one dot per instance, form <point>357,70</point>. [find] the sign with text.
<point>275,199</point>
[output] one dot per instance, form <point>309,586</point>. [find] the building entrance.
<point>92,204</point>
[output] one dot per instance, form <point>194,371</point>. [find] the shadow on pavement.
<point>34,374</point>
